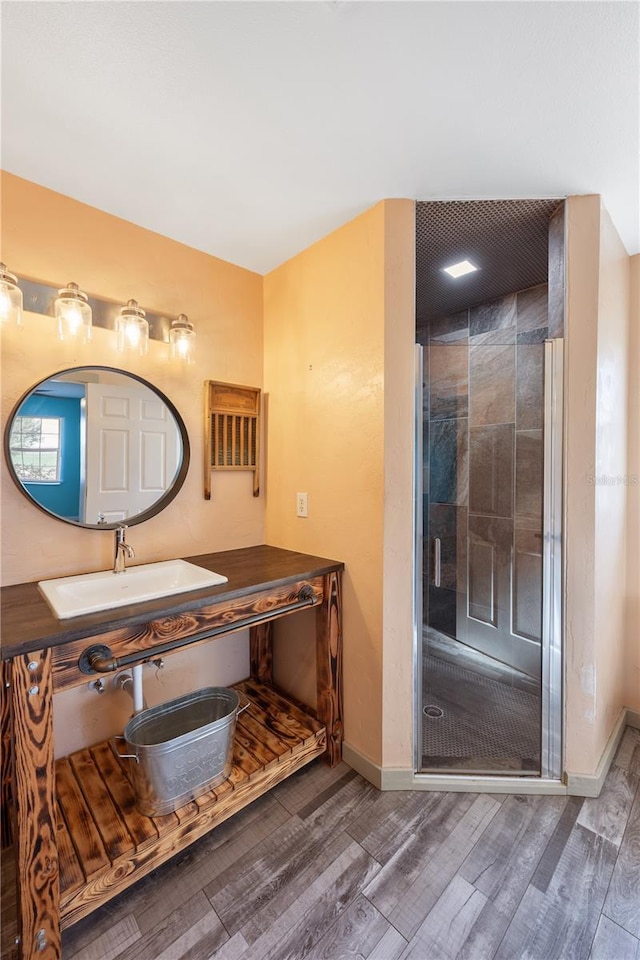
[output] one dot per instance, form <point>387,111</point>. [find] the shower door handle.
<point>437,560</point>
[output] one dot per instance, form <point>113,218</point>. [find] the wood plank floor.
<point>325,867</point>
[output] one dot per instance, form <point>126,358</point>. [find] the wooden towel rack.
<point>232,431</point>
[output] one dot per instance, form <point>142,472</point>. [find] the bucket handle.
<point>122,756</point>
<point>134,756</point>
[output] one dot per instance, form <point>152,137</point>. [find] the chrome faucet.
<point>123,550</point>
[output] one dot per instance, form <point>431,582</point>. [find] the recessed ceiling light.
<point>459,269</point>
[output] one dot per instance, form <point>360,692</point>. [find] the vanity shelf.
<point>105,844</point>
<point>77,837</point>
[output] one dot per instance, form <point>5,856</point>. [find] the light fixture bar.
<point>40,298</point>
<point>459,269</point>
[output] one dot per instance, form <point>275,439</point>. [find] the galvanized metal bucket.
<point>181,748</point>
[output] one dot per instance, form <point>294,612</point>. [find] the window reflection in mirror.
<point>96,446</point>
<point>36,449</point>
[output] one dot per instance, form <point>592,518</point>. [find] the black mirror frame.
<point>158,506</point>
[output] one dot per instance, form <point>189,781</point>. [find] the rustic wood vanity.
<point>77,837</point>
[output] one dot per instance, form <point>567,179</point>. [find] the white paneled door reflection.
<point>132,447</point>
<point>500,614</point>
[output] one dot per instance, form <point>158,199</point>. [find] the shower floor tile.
<point>478,723</point>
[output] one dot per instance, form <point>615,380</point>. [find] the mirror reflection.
<point>97,447</point>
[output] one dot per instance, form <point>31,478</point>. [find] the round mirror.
<point>97,447</point>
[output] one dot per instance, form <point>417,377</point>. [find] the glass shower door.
<point>486,434</point>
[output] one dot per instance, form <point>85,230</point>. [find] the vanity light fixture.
<point>456,270</point>
<point>73,314</point>
<point>132,329</point>
<point>182,338</point>
<point>77,314</point>
<point>10,297</point>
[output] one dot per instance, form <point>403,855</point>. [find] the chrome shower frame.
<point>552,569</point>
<point>417,552</point>
<point>553,577</point>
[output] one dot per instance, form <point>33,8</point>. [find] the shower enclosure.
<point>489,486</point>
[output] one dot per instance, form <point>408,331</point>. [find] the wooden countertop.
<point>28,623</point>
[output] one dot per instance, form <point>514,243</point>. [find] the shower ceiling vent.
<point>506,239</point>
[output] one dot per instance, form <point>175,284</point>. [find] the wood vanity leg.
<point>34,804</point>
<point>6,762</point>
<point>329,666</point>
<point>261,652</point>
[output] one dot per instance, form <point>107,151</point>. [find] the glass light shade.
<point>73,314</point>
<point>10,297</point>
<point>132,329</point>
<point>182,338</point>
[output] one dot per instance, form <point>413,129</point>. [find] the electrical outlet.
<point>302,506</point>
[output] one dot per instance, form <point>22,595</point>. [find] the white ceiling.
<point>251,129</point>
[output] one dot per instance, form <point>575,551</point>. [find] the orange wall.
<point>324,379</point>
<point>399,419</point>
<point>52,238</point>
<point>632,697</point>
<point>339,336</point>
<point>596,458</point>
<point>612,430</point>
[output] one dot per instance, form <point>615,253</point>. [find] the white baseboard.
<point>398,778</point>
<point>633,718</point>
<point>387,778</point>
<point>576,784</point>
<point>590,785</point>
<point>363,765</point>
<point>451,783</point>
<point>404,778</point>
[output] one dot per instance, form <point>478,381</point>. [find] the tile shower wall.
<point>483,450</point>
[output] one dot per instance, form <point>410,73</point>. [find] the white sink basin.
<point>88,592</point>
